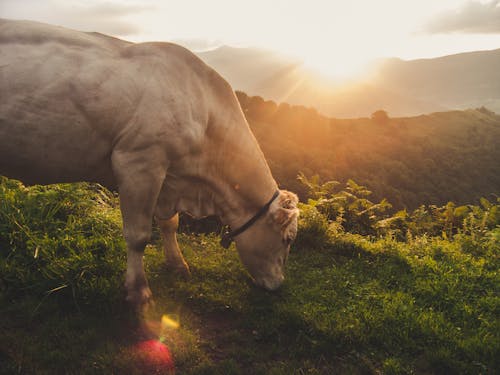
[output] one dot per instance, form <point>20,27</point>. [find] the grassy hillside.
<point>429,159</point>
<point>350,305</point>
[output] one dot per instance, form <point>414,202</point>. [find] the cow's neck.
<point>247,181</point>
<point>233,183</point>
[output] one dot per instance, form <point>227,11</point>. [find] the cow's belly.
<point>42,145</point>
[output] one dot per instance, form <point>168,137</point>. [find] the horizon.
<point>334,38</point>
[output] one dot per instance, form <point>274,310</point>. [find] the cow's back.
<point>44,137</point>
<point>67,97</point>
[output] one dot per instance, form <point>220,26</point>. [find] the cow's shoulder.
<point>179,64</point>
<point>182,59</point>
<point>169,53</point>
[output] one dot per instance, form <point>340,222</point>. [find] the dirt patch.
<point>217,331</point>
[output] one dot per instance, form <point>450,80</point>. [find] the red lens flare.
<point>154,357</point>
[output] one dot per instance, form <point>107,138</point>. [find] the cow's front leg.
<point>136,284</point>
<point>173,256</point>
<point>139,185</point>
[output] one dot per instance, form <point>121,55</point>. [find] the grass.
<point>350,305</point>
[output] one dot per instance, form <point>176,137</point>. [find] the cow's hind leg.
<point>173,256</point>
<point>139,185</point>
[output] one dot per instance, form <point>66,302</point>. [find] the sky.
<point>334,36</point>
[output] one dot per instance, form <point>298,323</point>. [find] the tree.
<point>380,117</point>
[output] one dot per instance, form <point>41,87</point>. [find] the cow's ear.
<point>285,214</point>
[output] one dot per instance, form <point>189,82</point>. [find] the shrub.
<point>312,227</point>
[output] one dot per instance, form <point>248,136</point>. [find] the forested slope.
<point>428,159</point>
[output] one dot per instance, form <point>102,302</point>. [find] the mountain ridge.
<point>401,87</point>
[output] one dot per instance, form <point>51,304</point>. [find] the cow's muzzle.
<point>269,283</point>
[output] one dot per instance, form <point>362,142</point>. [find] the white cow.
<point>150,120</point>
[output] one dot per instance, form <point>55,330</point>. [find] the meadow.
<point>399,299</point>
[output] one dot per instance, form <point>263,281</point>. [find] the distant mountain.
<point>402,88</point>
<point>457,81</point>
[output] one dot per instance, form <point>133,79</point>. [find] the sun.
<point>337,66</point>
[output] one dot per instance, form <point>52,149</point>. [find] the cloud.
<point>473,17</point>
<point>108,17</point>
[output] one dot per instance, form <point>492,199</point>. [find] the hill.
<point>403,88</point>
<point>427,159</point>
<point>350,304</point>
<point>464,80</point>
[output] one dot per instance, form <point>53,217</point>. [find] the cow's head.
<point>264,247</point>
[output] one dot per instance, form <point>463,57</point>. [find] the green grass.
<point>350,305</point>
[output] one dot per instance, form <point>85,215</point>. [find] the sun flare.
<point>337,67</point>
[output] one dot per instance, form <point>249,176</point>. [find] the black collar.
<point>228,235</point>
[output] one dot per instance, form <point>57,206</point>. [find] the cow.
<point>151,121</point>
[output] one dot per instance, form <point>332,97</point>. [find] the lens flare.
<point>154,357</point>
<point>170,321</point>
<point>151,354</point>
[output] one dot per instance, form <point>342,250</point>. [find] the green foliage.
<point>429,159</point>
<point>350,303</point>
<point>354,212</point>
<point>349,207</point>
<point>62,239</point>
<point>313,227</point>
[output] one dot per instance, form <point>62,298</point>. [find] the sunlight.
<point>338,66</point>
